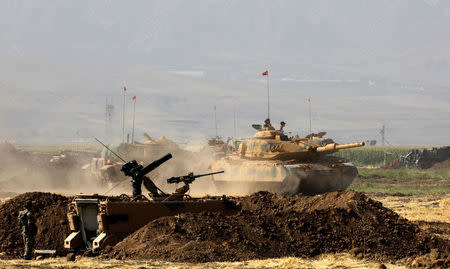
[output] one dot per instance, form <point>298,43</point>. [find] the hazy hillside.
<point>364,63</point>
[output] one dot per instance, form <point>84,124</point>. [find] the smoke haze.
<point>364,64</point>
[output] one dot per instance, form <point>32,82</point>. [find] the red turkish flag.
<point>265,73</point>
<point>124,88</point>
<point>134,97</point>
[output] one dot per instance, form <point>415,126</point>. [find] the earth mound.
<point>271,226</point>
<point>50,213</point>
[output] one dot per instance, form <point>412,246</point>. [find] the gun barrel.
<point>208,174</point>
<point>189,179</point>
<point>333,147</point>
<point>352,145</point>
<point>152,166</point>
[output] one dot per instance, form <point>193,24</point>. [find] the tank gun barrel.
<point>352,145</point>
<point>333,147</point>
<point>147,136</point>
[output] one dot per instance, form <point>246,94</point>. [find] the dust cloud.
<point>22,171</point>
<point>68,172</point>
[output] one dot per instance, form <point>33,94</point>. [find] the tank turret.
<point>275,145</point>
<point>272,161</point>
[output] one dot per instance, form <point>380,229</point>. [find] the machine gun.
<point>137,172</point>
<point>189,178</point>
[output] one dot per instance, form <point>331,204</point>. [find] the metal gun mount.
<point>135,170</point>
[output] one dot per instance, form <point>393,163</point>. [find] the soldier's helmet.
<point>28,204</point>
<point>283,123</point>
<point>267,121</point>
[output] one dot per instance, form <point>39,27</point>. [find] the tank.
<point>272,161</point>
<point>106,168</point>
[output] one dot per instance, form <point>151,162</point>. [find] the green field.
<point>403,181</point>
<point>374,156</point>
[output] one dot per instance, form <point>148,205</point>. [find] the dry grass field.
<point>341,260</point>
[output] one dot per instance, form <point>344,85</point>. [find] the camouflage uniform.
<point>28,224</point>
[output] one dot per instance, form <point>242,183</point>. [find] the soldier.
<point>268,125</point>
<point>282,124</point>
<point>29,229</point>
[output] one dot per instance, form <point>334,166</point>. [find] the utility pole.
<point>109,110</point>
<point>382,132</point>
<point>123,114</point>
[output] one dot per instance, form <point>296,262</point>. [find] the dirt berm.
<point>50,211</point>
<point>271,226</point>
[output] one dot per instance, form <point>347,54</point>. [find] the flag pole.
<point>268,98</point>
<point>123,115</point>
<point>310,132</point>
<point>134,113</point>
<point>215,120</point>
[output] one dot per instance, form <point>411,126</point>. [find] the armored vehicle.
<point>274,162</point>
<point>97,221</point>
<point>106,169</point>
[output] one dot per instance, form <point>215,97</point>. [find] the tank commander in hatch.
<point>29,229</point>
<point>282,124</point>
<point>268,125</point>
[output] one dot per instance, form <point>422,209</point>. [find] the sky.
<point>363,64</point>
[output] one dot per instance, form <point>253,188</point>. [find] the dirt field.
<point>431,212</point>
<point>414,208</point>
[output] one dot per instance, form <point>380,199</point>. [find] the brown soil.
<point>435,227</point>
<point>441,165</point>
<point>50,213</point>
<point>271,226</point>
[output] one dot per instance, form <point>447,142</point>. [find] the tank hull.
<point>247,176</point>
